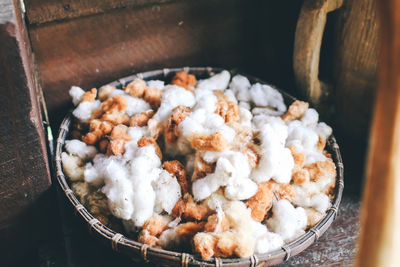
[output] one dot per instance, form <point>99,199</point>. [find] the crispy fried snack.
<point>89,96</point>
<point>155,225</point>
<point>189,229</point>
<point>228,110</point>
<point>301,176</point>
<point>104,92</point>
<point>189,209</point>
<point>176,168</point>
<point>119,136</point>
<point>146,238</point>
<point>261,202</point>
<point>185,80</point>
<point>136,88</point>
<point>141,119</point>
<point>146,141</point>
<point>295,111</point>
<point>153,97</point>
<point>216,225</point>
<point>171,132</point>
<point>204,244</point>
<point>201,167</point>
<point>212,142</point>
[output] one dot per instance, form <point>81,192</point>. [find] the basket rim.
<point>119,242</point>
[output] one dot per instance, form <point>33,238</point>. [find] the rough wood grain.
<point>24,170</point>
<point>355,62</point>
<point>309,33</point>
<point>43,11</point>
<point>93,50</point>
<point>380,238</point>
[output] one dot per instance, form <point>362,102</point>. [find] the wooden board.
<point>24,169</point>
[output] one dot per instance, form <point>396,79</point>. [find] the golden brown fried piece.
<point>283,191</point>
<point>171,132</point>
<point>119,136</point>
<point>201,167</point>
<point>295,111</point>
<point>301,176</point>
<point>146,238</point>
<point>89,96</point>
<point>105,91</point>
<point>212,142</point>
<point>320,169</point>
<point>185,80</point>
<point>189,229</point>
<point>141,119</point>
<point>252,151</point>
<point>204,244</point>
<point>228,110</point>
<point>147,141</point>
<point>321,144</point>
<point>155,225</point>
<point>299,158</point>
<point>216,225</point>
<point>261,202</point>
<point>226,245</point>
<point>136,88</point>
<point>189,209</point>
<point>153,97</point>
<point>176,168</point>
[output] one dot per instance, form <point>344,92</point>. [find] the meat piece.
<point>185,80</point>
<point>119,136</point>
<point>228,110</point>
<point>89,96</point>
<point>295,111</point>
<point>91,138</point>
<point>146,141</point>
<point>212,142</point>
<point>261,202</point>
<point>155,225</point>
<point>189,229</point>
<point>171,132</point>
<point>201,167</point>
<point>216,224</point>
<point>204,244</point>
<point>175,168</point>
<point>136,88</point>
<point>141,119</point>
<point>153,97</point>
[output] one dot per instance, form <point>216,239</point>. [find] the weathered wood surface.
<point>380,238</point>
<point>43,11</point>
<point>306,56</point>
<point>24,169</point>
<point>354,60</point>
<point>94,50</point>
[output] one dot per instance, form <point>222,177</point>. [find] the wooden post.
<point>380,236</point>
<point>24,169</point>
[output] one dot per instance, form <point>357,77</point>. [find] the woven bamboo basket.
<point>119,242</point>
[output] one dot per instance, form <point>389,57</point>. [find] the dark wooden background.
<point>90,43</point>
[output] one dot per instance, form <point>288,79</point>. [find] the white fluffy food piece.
<point>264,95</point>
<point>156,84</point>
<point>217,82</point>
<point>168,192</point>
<point>287,221</point>
<point>80,149</point>
<point>240,85</point>
<point>135,105</point>
<point>72,166</point>
<point>276,161</point>
<point>76,94</point>
<point>84,110</point>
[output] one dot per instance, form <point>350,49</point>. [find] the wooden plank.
<point>354,59</point>
<point>43,11</point>
<point>93,50</point>
<point>380,237</point>
<point>24,169</point>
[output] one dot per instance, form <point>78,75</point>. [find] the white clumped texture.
<point>80,149</point>
<point>72,167</point>
<point>84,110</point>
<point>172,97</point>
<point>217,82</point>
<point>76,94</point>
<point>136,105</point>
<point>156,84</point>
<point>240,85</point>
<point>276,161</point>
<point>168,192</point>
<point>265,96</point>
<point>287,221</point>
<point>268,242</point>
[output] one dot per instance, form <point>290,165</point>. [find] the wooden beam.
<point>380,237</point>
